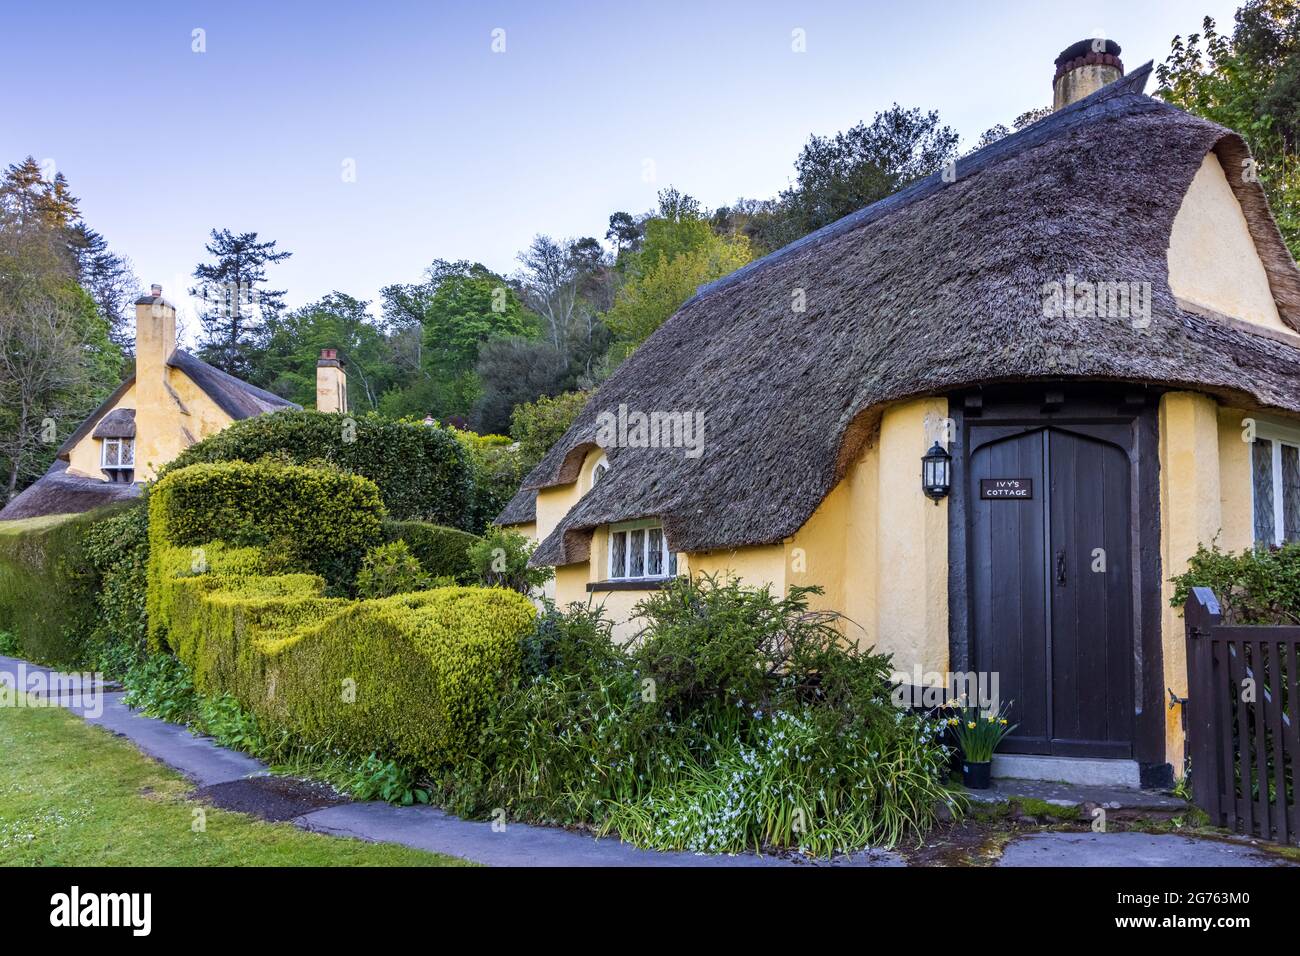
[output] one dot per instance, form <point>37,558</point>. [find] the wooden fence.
<point>1243,722</point>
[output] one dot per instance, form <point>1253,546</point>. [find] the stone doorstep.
<point>1080,771</point>
<point>1077,795</point>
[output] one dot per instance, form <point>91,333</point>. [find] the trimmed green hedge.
<point>48,585</point>
<point>408,676</point>
<point>423,473</point>
<point>441,551</point>
<point>309,519</point>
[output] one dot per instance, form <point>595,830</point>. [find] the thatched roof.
<point>236,398</point>
<point>56,493</point>
<point>521,509</point>
<point>936,288</point>
<point>119,423</point>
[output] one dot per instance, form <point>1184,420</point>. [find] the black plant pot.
<point>975,776</point>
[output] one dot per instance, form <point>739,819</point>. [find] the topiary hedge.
<point>49,582</point>
<point>423,472</point>
<point>311,519</point>
<point>441,551</point>
<point>408,676</point>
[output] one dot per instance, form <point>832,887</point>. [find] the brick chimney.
<point>1084,68</point>
<point>331,383</point>
<point>155,340</point>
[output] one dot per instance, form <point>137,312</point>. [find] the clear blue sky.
<point>461,152</point>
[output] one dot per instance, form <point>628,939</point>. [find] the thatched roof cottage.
<point>172,401</point>
<point>1090,331</point>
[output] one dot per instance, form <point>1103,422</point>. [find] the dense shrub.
<point>422,472</point>
<point>390,569</point>
<point>741,721</point>
<point>407,676</point>
<point>497,465</point>
<point>441,551</point>
<point>500,559</point>
<point>324,520</point>
<point>118,549</point>
<point>48,585</point>
<point>1260,586</point>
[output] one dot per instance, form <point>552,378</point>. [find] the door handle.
<point>1060,567</point>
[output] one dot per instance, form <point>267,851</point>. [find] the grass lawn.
<point>72,794</point>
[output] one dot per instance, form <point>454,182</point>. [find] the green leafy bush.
<point>500,559</point>
<point>422,472</point>
<point>1260,586</point>
<point>441,551</point>
<point>161,686</point>
<point>390,569</point>
<point>118,549</point>
<point>8,643</point>
<point>375,779</point>
<point>48,586</point>
<point>498,470</point>
<point>539,425</point>
<point>775,734</point>
<point>406,677</point>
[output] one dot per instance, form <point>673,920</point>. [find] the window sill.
<point>629,584</point>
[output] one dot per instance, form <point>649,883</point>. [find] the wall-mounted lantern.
<point>936,473</point>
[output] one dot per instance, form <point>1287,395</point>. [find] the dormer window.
<point>598,472</point>
<point>116,435</point>
<point>638,550</point>
<point>117,458</point>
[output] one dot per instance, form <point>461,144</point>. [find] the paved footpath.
<point>520,844</point>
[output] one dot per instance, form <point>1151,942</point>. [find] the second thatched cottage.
<point>173,400</point>
<point>991,415</point>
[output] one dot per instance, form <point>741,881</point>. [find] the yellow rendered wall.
<point>1212,258</point>
<point>884,568</point>
<point>1236,500</point>
<point>911,542</point>
<point>1191,494</point>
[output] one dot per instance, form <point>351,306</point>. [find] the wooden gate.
<point>1243,722</point>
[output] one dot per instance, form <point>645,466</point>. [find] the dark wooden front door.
<point>1052,585</point>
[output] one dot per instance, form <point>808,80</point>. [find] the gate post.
<point>1201,615</point>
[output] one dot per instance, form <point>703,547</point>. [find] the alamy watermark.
<point>39,688</point>
<point>637,429</point>
<point>934,689</point>
<point>1080,299</point>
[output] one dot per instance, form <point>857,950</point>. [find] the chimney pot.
<point>1083,68</point>
<point>155,290</point>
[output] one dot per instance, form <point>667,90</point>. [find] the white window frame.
<point>668,563</point>
<point>596,473</point>
<point>119,443</point>
<point>1279,435</point>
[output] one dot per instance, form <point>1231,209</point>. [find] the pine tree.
<point>236,306</point>
<point>108,278</point>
